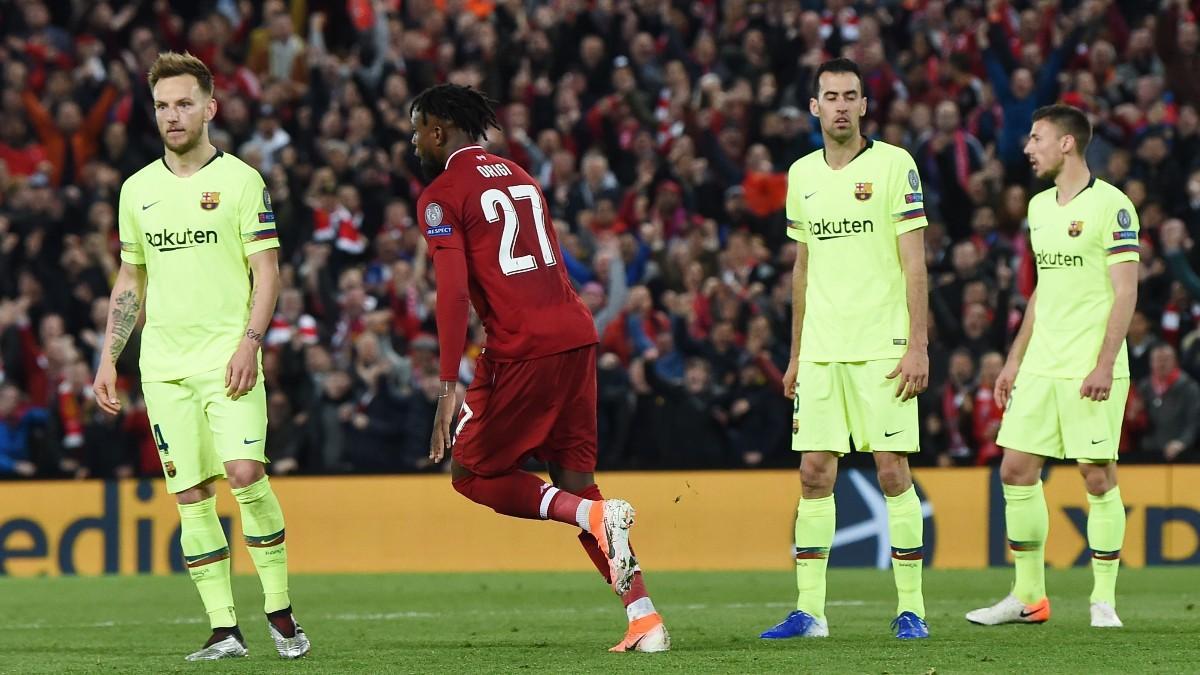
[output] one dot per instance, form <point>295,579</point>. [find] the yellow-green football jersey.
<point>856,305</point>
<point>1074,245</point>
<point>194,236</point>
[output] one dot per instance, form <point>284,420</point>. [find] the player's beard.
<point>842,135</point>
<point>431,168</point>
<point>1046,172</point>
<point>190,141</point>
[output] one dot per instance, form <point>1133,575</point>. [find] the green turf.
<point>563,623</point>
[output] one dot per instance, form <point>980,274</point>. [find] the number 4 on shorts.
<point>159,440</point>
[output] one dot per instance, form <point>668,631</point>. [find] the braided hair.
<point>468,109</point>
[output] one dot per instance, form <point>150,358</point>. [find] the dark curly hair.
<point>468,109</point>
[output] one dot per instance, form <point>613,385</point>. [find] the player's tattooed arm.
<point>255,336</point>
<point>126,300</point>
<point>126,303</point>
<point>126,307</point>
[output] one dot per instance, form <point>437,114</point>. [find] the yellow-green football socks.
<point>815,523</point>
<point>905,526</point>
<point>1106,532</point>
<point>206,553</point>
<point>1028,523</point>
<point>262,526</point>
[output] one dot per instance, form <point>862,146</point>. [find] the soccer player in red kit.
<point>534,390</point>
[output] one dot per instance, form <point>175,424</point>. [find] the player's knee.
<point>1097,478</point>
<point>894,479</point>
<point>816,479</point>
<point>195,494</point>
<point>243,474</point>
<point>1016,472</point>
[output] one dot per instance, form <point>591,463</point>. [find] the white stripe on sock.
<point>582,514</point>
<point>639,608</point>
<point>547,497</point>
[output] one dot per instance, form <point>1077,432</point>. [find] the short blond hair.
<point>174,64</point>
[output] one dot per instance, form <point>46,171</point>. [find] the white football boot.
<point>1011,610</point>
<point>610,521</point>
<point>1104,615</point>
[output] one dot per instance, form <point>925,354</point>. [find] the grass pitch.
<point>564,622</point>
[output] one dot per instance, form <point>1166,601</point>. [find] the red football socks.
<point>516,494</point>
<point>524,495</point>
<point>565,507</point>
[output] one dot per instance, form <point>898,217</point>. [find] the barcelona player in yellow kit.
<point>199,254</point>
<point>1067,375</point>
<point>859,340</point>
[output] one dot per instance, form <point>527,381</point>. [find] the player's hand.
<point>443,419</point>
<point>105,388</point>
<point>242,371</point>
<point>913,370</point>
<point>789,379</point>
<point>1004,385</point>
<point>1098,384</point>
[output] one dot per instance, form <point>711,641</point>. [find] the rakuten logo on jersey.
<point>173,241</point>
<point>835,229</point>
<point>1055,260</point>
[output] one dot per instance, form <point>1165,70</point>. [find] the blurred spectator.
<point>633,331</point>
<point>1178,42</point>
<point>690,424</point>
<point>759,421</point>
<point>1173,404</point>
<point>16,423</point>
<point>283,441</point>
<point>1141,342</point>
<point>986,413</point>
<point>329,420</point>
<point>957,405</point>
<point>947,160</point>
<point>1014,83</point>
<point>70,137</point>
<point>268,139</point>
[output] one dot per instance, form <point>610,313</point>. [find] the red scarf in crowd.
<point>71,414</point>
<point>1162,384</point>
<point>962,159</point>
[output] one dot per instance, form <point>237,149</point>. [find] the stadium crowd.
<point>661,133</point>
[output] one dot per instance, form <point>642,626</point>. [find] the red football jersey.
<point>492,210</point>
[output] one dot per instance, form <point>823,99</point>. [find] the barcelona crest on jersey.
<point>1075,228</point>
<point>210,200</point>
<point>862,191</point>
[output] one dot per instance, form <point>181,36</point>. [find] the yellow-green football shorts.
<point>197,428</point>
<point>837,401</point>
<point>1046,416</point>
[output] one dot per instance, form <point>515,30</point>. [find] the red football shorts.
<point>543,408</point>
